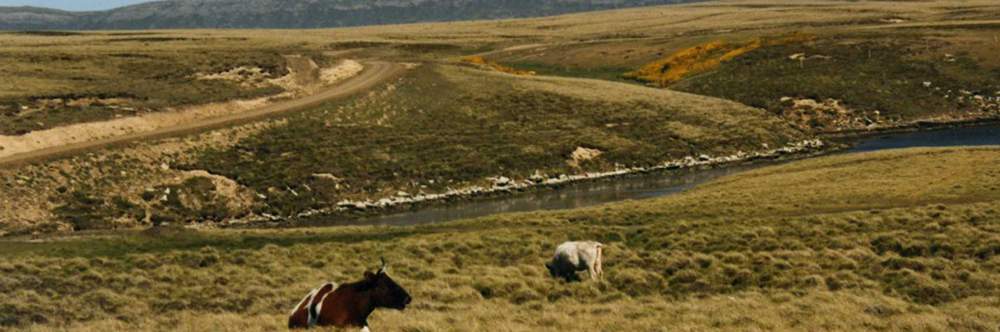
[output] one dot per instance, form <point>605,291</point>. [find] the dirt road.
<point>374,74</point>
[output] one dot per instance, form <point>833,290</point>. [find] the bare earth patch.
<point>583,154</point>
<point>28,203</point>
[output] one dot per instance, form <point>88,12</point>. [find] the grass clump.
<point>84,211</point>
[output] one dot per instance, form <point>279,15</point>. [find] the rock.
<point>797,56</point>
<point>583,154</point>
<point>502,181</point>
<point>927,84</point>
<point>327,176</point>
<point>537,177</point>
<point>164,167</point>
<point>403,194</point>
<point>704,157</point>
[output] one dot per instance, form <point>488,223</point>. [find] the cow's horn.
<point>383,263</point>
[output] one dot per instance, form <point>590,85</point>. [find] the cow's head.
<point>387,293</point>
<point>552,270</point>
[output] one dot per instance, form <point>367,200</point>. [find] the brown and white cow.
<point>576,256</point>
<point>349,305</point>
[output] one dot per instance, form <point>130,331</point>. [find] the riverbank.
<point>797,246</point>
<point>506,199</point>
<point>912,127</point>
<point>503,185</point>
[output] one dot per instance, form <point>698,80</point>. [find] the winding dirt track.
<point>374,74</point>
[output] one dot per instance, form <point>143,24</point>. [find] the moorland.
<point>133,235</point>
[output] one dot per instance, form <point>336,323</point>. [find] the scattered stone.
<point>165,167</point>
<point>327,176</point>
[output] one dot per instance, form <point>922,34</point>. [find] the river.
<point>583,194</point>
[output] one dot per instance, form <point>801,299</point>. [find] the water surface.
<point>583,194</point>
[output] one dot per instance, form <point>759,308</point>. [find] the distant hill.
<point>276,14</point>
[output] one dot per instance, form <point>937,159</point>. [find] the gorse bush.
<point>702,58</point>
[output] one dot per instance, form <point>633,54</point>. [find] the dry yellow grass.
<point>892,241</point>
<point>693,262</point>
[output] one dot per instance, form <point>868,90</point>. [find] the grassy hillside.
<point>51,80</point>
<point>286,14</point>
<point>895,67</point>
<point>884,78</point>
<point>854,250</point>
<point>148,71</point>
<point>440,127</point>
<point>456,124</point>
